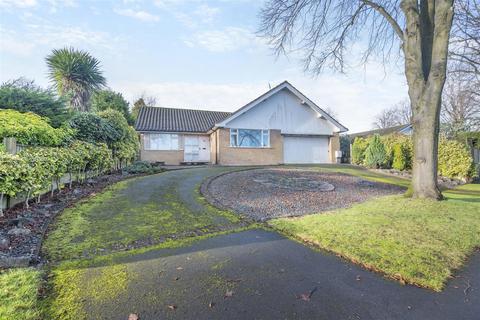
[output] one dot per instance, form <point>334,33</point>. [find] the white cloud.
<point>202,13</point>
<point>139,15</point>
<point>206,13</point>
<point>10,42</point>
<point>44,34</point>
<point>228,39</point>
<point>18,3</point>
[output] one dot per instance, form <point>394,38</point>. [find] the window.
<point>161,141</point>
<point>249,138</point>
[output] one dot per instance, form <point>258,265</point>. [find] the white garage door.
<point>305,150</point>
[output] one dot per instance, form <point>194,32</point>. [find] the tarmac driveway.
<point>259,274</point>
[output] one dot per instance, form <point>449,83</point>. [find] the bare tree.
<point>464,51</point>
<point>461,104</point>
<point>399,114</point>
<point>323,31</point>
<point>386,118</point>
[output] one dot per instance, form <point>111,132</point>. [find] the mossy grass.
<point>122,217</point>
<point>74,285</point>
<point>18,294</point>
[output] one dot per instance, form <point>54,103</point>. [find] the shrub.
<point>92,128</point>
<point>401,158</point>
<point>139,167</point>
<point>109,100</point>
<point>358,150</point>
<point>375,155</point>
<point>31,129</point>
<point>24,96</point>
<point>117,121</point>
<point>454,160</point>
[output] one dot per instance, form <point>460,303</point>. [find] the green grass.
<point>18,294</point>
<point>133,212</point>
<point>421,242</point>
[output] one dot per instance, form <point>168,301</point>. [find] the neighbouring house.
<point>281,126</point>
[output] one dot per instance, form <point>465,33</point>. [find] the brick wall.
<point>249,156</point>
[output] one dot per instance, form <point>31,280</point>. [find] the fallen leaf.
<point>133,316</point>
<point>179,268</point>
<point>306,296</point>
<point>172,307</point>
<point>228,294</point>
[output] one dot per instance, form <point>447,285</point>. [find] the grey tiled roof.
<point>381,132</point>
<point>177,120</point>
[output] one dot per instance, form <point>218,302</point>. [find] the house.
<point>281,126</point>
<point>406,129</point>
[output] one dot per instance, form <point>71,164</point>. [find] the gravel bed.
<point>263,194</point>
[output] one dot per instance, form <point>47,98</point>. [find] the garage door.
<point>305,150</point>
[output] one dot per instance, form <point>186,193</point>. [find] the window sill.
<point>256,148</point>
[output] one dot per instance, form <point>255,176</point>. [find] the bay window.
<point>161,141</point>
<point>249,138</point>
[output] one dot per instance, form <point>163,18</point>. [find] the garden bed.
<point>22,230</point>
<point>264,194</point>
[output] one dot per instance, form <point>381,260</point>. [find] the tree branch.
<point>387,16</point>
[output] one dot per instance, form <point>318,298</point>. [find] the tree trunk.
<point>425,151</point>
<point>425,46</point>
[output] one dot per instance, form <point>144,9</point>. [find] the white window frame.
<point>264,135</point>
<point>172,144</point>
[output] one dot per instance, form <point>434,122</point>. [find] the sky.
<point>194,54</point>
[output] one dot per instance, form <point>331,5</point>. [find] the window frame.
<point>264,133</point>
<point>172,137</point>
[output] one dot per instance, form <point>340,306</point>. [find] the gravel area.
<point>263,194</point>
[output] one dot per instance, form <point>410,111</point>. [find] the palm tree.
<point>75,74</point>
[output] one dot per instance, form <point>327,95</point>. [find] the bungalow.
<point>281,126</point>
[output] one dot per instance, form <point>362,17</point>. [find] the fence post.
<point>10,145</point>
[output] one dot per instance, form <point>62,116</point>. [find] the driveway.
<point>253,274</point>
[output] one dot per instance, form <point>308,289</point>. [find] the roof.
<point>177,120</point>
<point>188,120</point>
<point>284,85</point>
<point>381,132</point>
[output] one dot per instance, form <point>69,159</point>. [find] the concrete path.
<point>261,275</point>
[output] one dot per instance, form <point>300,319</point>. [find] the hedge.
<point>396,151</point>
<point>454,159</point>
<point>31,129</point>
<point>37,169</point>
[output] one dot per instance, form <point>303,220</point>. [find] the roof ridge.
<point>188,109</point>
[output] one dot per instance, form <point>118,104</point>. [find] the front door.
<point>196,148</point>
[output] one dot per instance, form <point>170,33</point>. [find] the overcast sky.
<point>186,53</point>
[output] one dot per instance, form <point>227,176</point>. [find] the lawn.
<point>421,242</point>
<point>18,294</point>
